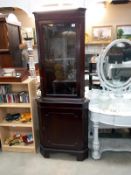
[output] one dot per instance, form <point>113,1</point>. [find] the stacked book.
<point>6,96</point>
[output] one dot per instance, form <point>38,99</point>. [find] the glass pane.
<point>117,64</point>
<point>60,62</point>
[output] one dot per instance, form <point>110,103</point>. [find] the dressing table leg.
<point>96,145</point>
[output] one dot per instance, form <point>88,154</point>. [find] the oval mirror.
<point>114,65</point>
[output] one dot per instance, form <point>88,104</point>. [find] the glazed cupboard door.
<point>59,58</point>
<point>61,55</point>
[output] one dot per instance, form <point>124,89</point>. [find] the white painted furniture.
<point>110,107</point>
<point>111,112</point>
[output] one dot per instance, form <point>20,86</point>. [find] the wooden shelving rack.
<point>8,129</point>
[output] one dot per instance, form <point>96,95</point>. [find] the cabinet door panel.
<point>61,129</point>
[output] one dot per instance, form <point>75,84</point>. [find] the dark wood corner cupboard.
<point>10,38</point>
<point>62,108</point>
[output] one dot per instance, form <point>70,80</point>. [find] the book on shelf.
<point>6,96</point>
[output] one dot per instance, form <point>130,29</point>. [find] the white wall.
<point>32,5</point>
<point>16,3</point>
<point>27,7</point>
<point>114,15</point>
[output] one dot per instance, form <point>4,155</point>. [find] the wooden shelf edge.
<point>4,50</point>
<point>19,148</point>
<point>28,80</point>
<point>16,124</point>
<point>97,42</point>
<point>16,105</point>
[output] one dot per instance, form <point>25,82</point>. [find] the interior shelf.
<point>4,50</point>
<point>16,105</point>
<point>97,42</point>
<point>15,124</point>
<point>19,83</point>
<point>19,148</point>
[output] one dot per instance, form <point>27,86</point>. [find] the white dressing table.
<point>111,112</point>
<point>110,107</point>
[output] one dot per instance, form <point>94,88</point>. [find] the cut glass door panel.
<point>59,58</point>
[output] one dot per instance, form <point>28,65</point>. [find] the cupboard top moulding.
<point>60,36</point>
<point>60,14</point>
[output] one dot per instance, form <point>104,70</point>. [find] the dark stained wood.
<point>74,16</point>
<point>10,54</point>
<point>63,119</point>
<point>5,59</point>
<point>23,72</point>
<point>64,126</point>
<point>3,36</point>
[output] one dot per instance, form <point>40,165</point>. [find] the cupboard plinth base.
<point>80,154</point>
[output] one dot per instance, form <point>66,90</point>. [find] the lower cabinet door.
<point>62,128</point>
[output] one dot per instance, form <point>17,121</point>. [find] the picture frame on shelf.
<point>102,34</point>
<point>123,31</point>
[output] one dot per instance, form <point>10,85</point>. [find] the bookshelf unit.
<point>10,128</point>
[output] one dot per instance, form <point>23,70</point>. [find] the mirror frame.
<point>100,61</point>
